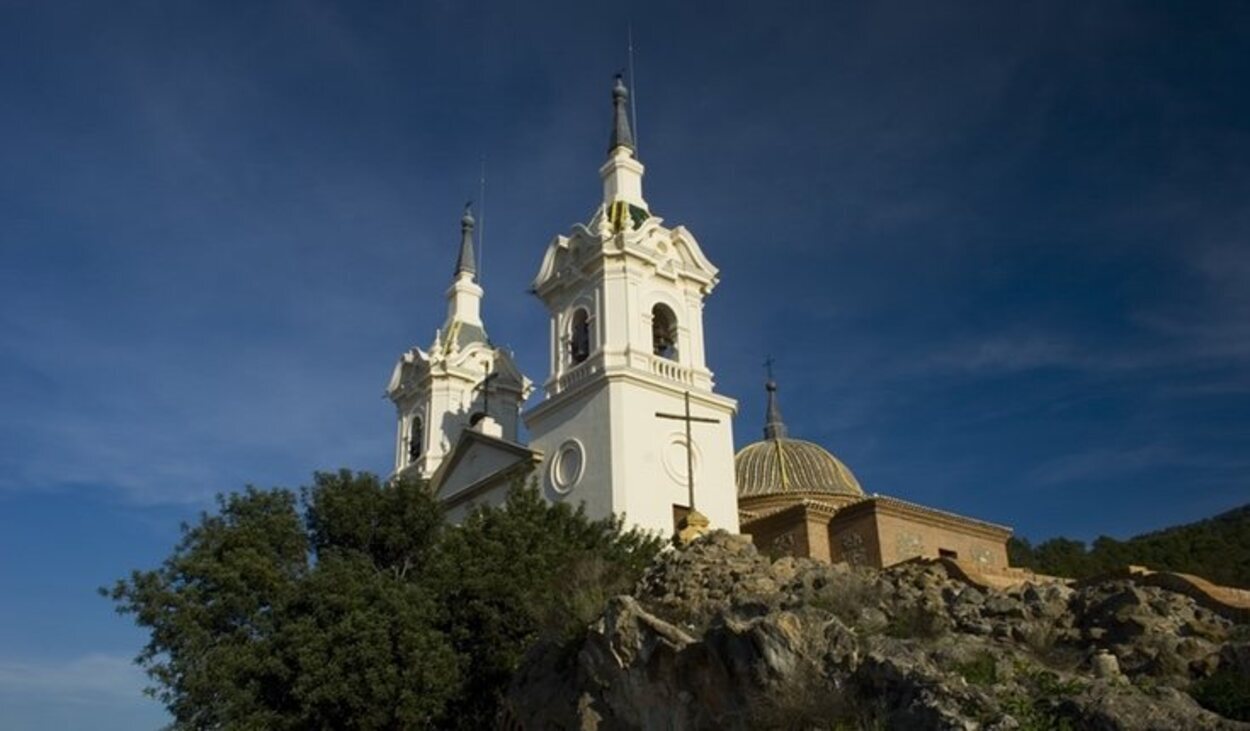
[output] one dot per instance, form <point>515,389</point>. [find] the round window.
<point>567,466</point>
<point>674,458</point>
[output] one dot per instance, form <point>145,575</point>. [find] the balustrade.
<point>671,370</point>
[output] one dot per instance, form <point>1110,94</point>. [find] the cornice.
<point>639,245</point>
<point>627,374</point>
<point>906,509</point>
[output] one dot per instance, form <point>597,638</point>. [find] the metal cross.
<point>768,365</point>
<point>689,443</point>
<point>485,386</point>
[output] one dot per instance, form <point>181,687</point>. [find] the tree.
<point>1217,549</point>
<point>526,572</point>
<point>353,606</point>
<point>1063,556</point>
<point>1020,552</point>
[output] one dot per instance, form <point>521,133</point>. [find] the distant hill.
<point>1217,549</point>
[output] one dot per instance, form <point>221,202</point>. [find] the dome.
<point>781,465</point>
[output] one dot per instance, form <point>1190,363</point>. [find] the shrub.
<point>916,622</point>
<point>982,669</point>
<point>847,599</point>
<point>1226,692</point>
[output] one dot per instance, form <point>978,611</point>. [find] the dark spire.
<point>774,427</point>
<point>466,261</point>
<point>622,136</point>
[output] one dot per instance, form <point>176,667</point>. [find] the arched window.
<point>579,336</point>
<point>664,332</point>
<point>416,436</point>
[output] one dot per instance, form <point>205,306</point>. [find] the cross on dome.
<point>774,427</point>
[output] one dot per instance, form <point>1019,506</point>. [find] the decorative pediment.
<point>692,257</point>
<point>477,462</point>
<point>673,252</point>
<point>563,256</point>
<point>409,372</point>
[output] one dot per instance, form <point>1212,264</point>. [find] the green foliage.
<point>213,610</point>
<point>396,527</point>
<point>1036,715</point>
<point>1217,549</point>
<point>1037,708</point>
<point>916,622</point>
<point>981,669</point>
<point>805,701</point>
<point>355,607</point>
<point>847,600</point>
<point>515,575</point>
<point>1227,693</point>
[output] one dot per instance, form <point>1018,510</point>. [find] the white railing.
<point>665,368</point>
<point>571,378</point>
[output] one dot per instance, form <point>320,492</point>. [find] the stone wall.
<point>855,540</point>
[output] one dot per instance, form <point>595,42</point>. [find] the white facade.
<point>478,471</point>
<point>625,297</point>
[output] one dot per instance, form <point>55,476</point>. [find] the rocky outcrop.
<point>716,636</point>
<point>1224,600</point>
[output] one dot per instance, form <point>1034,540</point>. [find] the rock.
<point>716,636</point>
<point>784,569</point>
<point>1001,605</point>
<point>1105,665</point>
<point>1117,707</point>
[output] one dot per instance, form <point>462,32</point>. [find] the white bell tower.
<point>625,296</point>
<point>462,381</point>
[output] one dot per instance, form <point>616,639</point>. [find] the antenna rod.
<point>481,224</point>
<point>633,87</point>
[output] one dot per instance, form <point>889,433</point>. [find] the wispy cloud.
<point>1004,354</point>
<point>1217,337</point>
<point>1101,464</point>
<point>87,679</point>
<point>1108,463</point>
<point>182,422</point>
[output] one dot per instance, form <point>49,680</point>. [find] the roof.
<point>789,466</point>
<point>779,465</point>
<point>468,439</point>
<point>459,335</point>
<point>465,263</point>
<point>622,135</point>
<point>898,505</point>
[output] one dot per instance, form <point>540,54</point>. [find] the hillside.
<point>717,636</point>
<point>1217,549</point>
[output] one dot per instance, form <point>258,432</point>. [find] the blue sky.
<point>999,252</point>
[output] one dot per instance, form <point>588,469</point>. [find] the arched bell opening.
<point>416,439</point>
<point>663,332</point>
<point>579,336</point>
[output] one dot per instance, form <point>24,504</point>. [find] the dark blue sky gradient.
<point>999,250</point>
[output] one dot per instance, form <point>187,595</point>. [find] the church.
<point>629,420</point>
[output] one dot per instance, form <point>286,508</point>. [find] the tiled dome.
<point>787,466</point>
<point>783,466</point>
